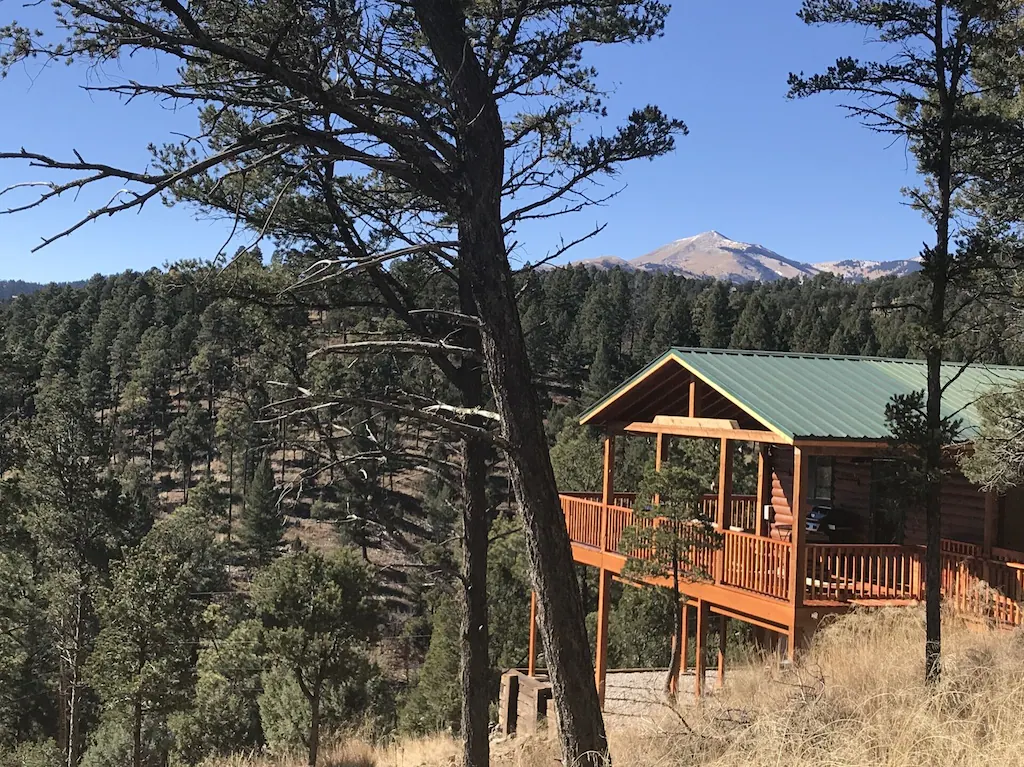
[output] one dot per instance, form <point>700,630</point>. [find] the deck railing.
<point>989,589</point>
<point>845,573</point>
<point>742,510</point>
<point>740,560</point>
<point>583,520</point>
<point>756,564</point>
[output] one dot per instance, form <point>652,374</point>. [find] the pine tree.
<point>755,327</point>
<point>143,662</point>
<point>714,316</point>
<point>672,495</point>
<point>262,530</point>
<point>317,613</point>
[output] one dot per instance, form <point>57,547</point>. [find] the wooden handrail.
<point>745,561</point>
<point>756,564</point>
<point>986,589</point>
<point>847,572</point>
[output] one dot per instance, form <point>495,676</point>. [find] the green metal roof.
<point>824,396</point>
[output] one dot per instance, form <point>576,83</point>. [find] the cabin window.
<point>820,476</point>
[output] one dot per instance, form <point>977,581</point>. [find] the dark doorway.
<point>887,512</point>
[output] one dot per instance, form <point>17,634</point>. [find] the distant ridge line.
<point>713,255</point>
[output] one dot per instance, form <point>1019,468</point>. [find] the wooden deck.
<point>750,577</point>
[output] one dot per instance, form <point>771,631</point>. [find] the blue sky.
<point>797,177</point>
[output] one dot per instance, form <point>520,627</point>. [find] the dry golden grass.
<point>856,699</point>
<point>429,751</point>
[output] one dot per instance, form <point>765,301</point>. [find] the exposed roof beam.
<point>702,432</point>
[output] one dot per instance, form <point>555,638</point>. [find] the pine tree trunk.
<point>672,680</point>
<point>475,637</point>
<point>937,270</point>
<point>475,661</point>
<point>314,727</point>
<point>75,696</point>
<point>231,485</point>
<point>483,259</point>
<point>137,732</point>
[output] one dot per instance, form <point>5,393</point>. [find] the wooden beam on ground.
<point>798,540</point>
<point>722,637</point>
<point>700,668</point>
<point>531,663</point>
<point>601,652</point>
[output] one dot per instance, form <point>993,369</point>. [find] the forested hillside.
<point>11,288</point>
<point>165,437</point>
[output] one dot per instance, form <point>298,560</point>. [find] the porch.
<point>988,588</point>
<point>816,427</point>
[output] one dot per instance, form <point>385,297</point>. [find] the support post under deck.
<point>700,667</point>
<point>722,637</point>
<point>601,652</point>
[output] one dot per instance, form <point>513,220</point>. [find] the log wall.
<point>781,459</point>
<point>963,513</point>
<point>963,504</point>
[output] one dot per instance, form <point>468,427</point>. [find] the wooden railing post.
<point>915,577</point>
<point>607,489</point>
<point>724,502</point>
<point>798,565</point>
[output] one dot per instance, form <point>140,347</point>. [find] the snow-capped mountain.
<point>712,254</point>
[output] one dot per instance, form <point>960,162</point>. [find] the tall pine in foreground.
<point>262,529</point>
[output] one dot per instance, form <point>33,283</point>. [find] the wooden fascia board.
<point>842,447</point>
<point>665,359</point>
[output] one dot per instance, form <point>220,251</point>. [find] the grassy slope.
<point>856,699</point>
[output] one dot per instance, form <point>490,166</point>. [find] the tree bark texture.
<point>475,667</point>
<point>672,680</point>
<point>474,660</point>
<point>480,139</point>
<point>314,726</point>
<point>937,269</point>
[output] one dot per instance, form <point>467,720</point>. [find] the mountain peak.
<point>709,235</point>
<point>712,254</point>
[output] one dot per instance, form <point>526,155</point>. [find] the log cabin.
<point>821,532</point>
